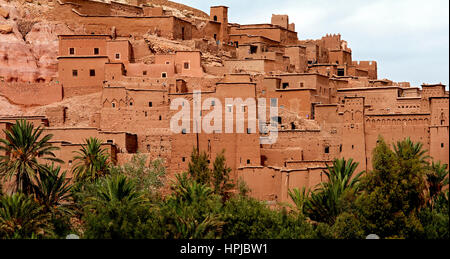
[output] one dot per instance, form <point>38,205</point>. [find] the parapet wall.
<point>31,94</point>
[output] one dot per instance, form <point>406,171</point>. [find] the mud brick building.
<point>128,61</point>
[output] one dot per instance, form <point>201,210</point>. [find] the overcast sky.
<point>408,38</point>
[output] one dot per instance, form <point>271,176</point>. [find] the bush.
<point>347,226</point>
<point>247,218</point>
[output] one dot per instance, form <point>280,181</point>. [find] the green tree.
<point>24,146</point>
<point>91,161</point>
<point>148,178</point>
<point>326,203</point>
<point>22,217</point>
<point>300,198</point>
<point>348,226</point>
<point>199,167</point>
<point>393,192</point>
<point>116,189</point>
<point>191,211</point>
<point>247,218</point>
<point>222,185</point>
<point>437,179</point>
<point>188,190</point>
<point>115,209</point>
<point>53,191</point>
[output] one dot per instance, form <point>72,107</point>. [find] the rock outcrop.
<point>28,46</point>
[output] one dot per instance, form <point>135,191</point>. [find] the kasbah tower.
<point>111,70</point>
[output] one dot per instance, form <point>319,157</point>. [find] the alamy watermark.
<point>223,115</point>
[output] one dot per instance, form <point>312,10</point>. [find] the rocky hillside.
<point>28,42</point>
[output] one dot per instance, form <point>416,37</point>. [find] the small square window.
<point>248,161</point>
<point>75,73</point>
<point>117,56</point>
<point>160,117</point>
<point>327,150</point>
<point>92,72</point>
<point>96,51</point>
<point>167,62</point>
<point>144,73</point>
<point>72,51</point>
<point>186,65</point>
<point>183,131</point>
<point>164,75</point>
<point>150,104</point>
<point>442,145</point>
<point>183,159</point>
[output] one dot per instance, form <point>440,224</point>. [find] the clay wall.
<point>264,183</point>
<point>67,152</point>
<point>151,70</point>
<point>277,34</point>
<point>188,63</point>
<point>380,99</point>
<point>4,126</point>
<point>370,66</point>
<point>353,131</point>
<point>280,20</point>
<point>83,45</point>
<point>297,57</point>
<point>119,51</point>
<point>37,121</point>
<point>220,14</point>
<point>396,128</point>
<point>31,94</point>
<point>165,26</point>
<point>341,57</point>
<point>80,75</point>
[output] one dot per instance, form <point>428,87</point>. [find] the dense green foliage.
<point>23,146</point>
<point>404,196</point>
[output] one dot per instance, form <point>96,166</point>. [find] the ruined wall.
<point>165,26</point>
<point>31,94</point>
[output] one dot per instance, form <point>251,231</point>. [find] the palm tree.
<point>91,161</point>
<point>187,227</point>
<point>324,204</point>
<point>53,191</point>
<point>188,190</point>
<point>117,189</point>
<point>341,174</point>
<point>23,146</point>
<point>437,179</point>
<point>22,217</point>
<point>300,198</point>
<point>407,149</point>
